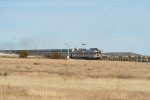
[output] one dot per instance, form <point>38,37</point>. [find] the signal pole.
<point>83,48</point>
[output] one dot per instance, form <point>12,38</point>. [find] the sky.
<point>110,25</point>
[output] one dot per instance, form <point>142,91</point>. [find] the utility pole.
<point>68,57</point>
<point>49,53</point>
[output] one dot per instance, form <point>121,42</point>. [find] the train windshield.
<point>97,53</point>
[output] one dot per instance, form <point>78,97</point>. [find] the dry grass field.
<point>44,79</point>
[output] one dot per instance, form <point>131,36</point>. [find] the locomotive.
<point>92,53</point>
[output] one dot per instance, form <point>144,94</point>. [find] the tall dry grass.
<point>42,79</point>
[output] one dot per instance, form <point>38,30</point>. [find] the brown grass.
<point>44,79</point>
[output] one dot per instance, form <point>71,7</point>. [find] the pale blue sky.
<point>110,25</point>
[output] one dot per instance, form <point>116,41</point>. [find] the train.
<point>92,53</point>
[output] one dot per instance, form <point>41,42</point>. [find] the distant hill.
<point>121,54</point>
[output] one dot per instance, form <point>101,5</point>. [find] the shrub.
<point>37,63</point>
<point>149,59</point>
<point>5,74</point>
<point>1,74</point>
<point>23,54</point>
<point>56,55</point>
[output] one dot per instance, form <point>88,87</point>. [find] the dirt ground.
<point>46,79</point>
